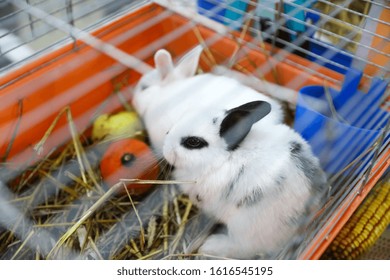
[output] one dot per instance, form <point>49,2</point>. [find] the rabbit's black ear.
<point>238,121</point>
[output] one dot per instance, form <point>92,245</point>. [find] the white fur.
<point>260,229</point>
<point>189,97</point>
<point>175,92</point>
<point>177,104</point>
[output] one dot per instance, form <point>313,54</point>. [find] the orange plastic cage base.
<point>78,76</point>
<point>45,86</point>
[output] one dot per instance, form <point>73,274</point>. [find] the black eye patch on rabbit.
<point>193,142</point>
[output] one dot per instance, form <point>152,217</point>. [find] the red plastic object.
<point>129,159</point>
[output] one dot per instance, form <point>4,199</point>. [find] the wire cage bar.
<point>64,63</point>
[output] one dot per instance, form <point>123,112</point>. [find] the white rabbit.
<point>168,93</point>
<point>257,177</point>
<point>252,173</point>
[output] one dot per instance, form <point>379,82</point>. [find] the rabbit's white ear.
<point>189,63</point>
<point>163,63</point>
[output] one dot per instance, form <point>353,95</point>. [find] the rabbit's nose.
<point>169,154</point>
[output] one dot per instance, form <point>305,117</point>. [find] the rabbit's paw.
<point>217,245</point>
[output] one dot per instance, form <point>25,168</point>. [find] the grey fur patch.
<point>254,198</point>
<point>220,228</point>
<point>280,180</point>
<point>294,220</point>
<point>234,181</point>
<point>215,120</point>
<point>311,170</point>
<point>295,147</point>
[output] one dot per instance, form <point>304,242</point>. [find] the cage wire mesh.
<point>64,63</point>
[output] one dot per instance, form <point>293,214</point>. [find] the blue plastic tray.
<point>340,139</point>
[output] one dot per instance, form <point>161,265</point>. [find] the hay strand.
<point>86,215</point>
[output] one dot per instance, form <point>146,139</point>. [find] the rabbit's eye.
<point>193,142</point>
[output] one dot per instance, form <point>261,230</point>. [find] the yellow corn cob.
<point>364,227</point>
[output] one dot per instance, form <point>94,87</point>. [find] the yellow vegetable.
<point>123,123</point>
<point>364,227</point>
